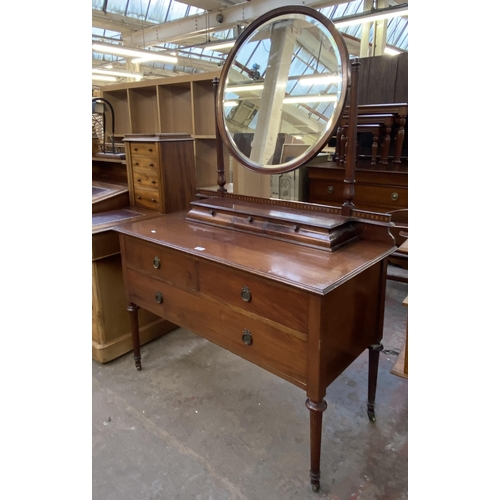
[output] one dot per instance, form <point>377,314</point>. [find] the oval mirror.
<point>282,89</point>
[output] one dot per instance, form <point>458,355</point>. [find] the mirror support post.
<point>351,141</point>
<point>221,179</point>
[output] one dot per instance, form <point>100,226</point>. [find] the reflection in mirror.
<point>283,92</point>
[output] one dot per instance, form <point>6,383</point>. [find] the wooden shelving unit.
<point>179,104</point>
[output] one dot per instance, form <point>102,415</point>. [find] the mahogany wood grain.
<point>376,190</point>
<point>304,322</point>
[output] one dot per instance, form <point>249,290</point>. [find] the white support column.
<point>380,31</point>
<point>364,48</point>
<point>271,105</point>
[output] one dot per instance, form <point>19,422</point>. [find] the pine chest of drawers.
<point>160,168</point>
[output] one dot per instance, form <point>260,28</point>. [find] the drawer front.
<point>143,149</point>
<point>390,197</point>
<point>147,198</point>
<point>252,339</point>
<point>161,263</point>
<point>279,303</point>
<point>145,164</point>
<point>326,191</point>
<point>383,198</point>
<point>145,179</point>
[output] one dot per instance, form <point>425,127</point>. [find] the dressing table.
<point>296,288</point>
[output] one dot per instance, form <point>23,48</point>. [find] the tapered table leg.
<point>134,328</point>
<point>316,419</point>
<point>373,357</point>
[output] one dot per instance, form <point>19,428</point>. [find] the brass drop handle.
<point>246,337</point>
<point>246,295</point>
<point>250,219</point>
<point>153,182</point>
<point>151,165</point>
<point>295,228</point>
<point>159,297</point>
<point>394,196</point>
<point>156,262</point>
<point>150,150</point>
<point>330,189</point>
<point>153,200</point>
<point>212,212</point>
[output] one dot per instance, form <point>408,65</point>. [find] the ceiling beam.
<point>116,22</point>
<point>241,14</point>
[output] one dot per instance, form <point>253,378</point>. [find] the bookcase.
<point>180,104</point>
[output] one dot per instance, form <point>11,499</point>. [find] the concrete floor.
<point>200,423</point>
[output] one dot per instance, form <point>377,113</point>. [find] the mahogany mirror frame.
<point>341,103</point>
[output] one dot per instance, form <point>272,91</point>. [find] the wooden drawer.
<point>384,198</point>
<point>144,164</point>
<point>326,191</point>
<point>145,178</point>
<point>279,303</point>
<point>147,198</point>
<point>161,263</point>
<point>142,149</point>
<point>270,347</point>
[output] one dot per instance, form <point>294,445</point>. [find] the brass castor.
<point>371,416</point>
<point>315,488</point>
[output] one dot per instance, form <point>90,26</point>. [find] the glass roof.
<point>147,13</point>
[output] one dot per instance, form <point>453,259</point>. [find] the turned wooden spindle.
<point>350,164</point>
<point>221,178</point>
<point>400,136</point>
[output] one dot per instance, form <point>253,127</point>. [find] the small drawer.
<point>392,197</point>
<point>142,149</point>
<point>161,263</point>
<point>326,191</point>
<point>147,198</point>
<point>279,303</point>
<point>144,164</point>
<point>145,179</point>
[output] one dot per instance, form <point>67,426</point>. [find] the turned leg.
<point>316,418</point>
<point>400,137</point>
<point>374,148</point>
<point>134,328</point>
<point>373,357</point>
<point>384,157</point>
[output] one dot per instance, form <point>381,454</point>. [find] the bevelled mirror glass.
<point>282,89</point>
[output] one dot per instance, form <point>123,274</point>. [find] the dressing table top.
<point>314,270</point>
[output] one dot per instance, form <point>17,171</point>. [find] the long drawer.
<point>383,197</point>
<point>251,338</point>
<point>250,293</point>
